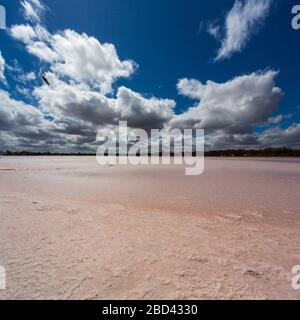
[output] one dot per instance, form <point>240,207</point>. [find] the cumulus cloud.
<point>77,114</point>
<point>274,137</point>
<point>242,21</point>
<point>62,99</point>
<point>278,137</point>
<point>234,106</point>
<point>230,111</point>
<point>24,127</point>
<point>85,59</point>
<point>29,34</point>
<point>15,113</point>
<point>222,140</point>
<point>81,71</point>
<point>80,102</point>
<point>79,99</point>
<point>33,10</point>
<point>76,56</point>
<point>141,112</point>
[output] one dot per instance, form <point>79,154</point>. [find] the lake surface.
<point>72,229</point>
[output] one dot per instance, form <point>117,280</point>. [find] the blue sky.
<point>163,41</point>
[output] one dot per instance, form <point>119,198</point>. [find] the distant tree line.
<point>269,152</point>
<point>34,153</point>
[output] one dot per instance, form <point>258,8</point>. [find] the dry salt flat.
<point>71,229</point>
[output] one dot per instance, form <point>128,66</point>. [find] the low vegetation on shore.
<point>270,152</point>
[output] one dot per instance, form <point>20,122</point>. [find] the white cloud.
<point>76,56</point>
<point>214,30</point>
<point>234,106</point>
<point>242,21</point>
<point>275,120</point>
<point>278,137</point>
<point>24,127</point>
<point>275,137</point>
<point>229,112</point>
<point>42,51</point>
<point>81,72</point>
<point>14,114</point>
<point>80,102</point>
<point>85,59</point>
<point>28,34</point>
<point>30,76</point>
<point>220,140</point>
<point>141,112</point>
<point>75,101</point>
<point>2,68</point>
<point>33,10</point>
<point>37,40</point>
<point>24,78</point>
